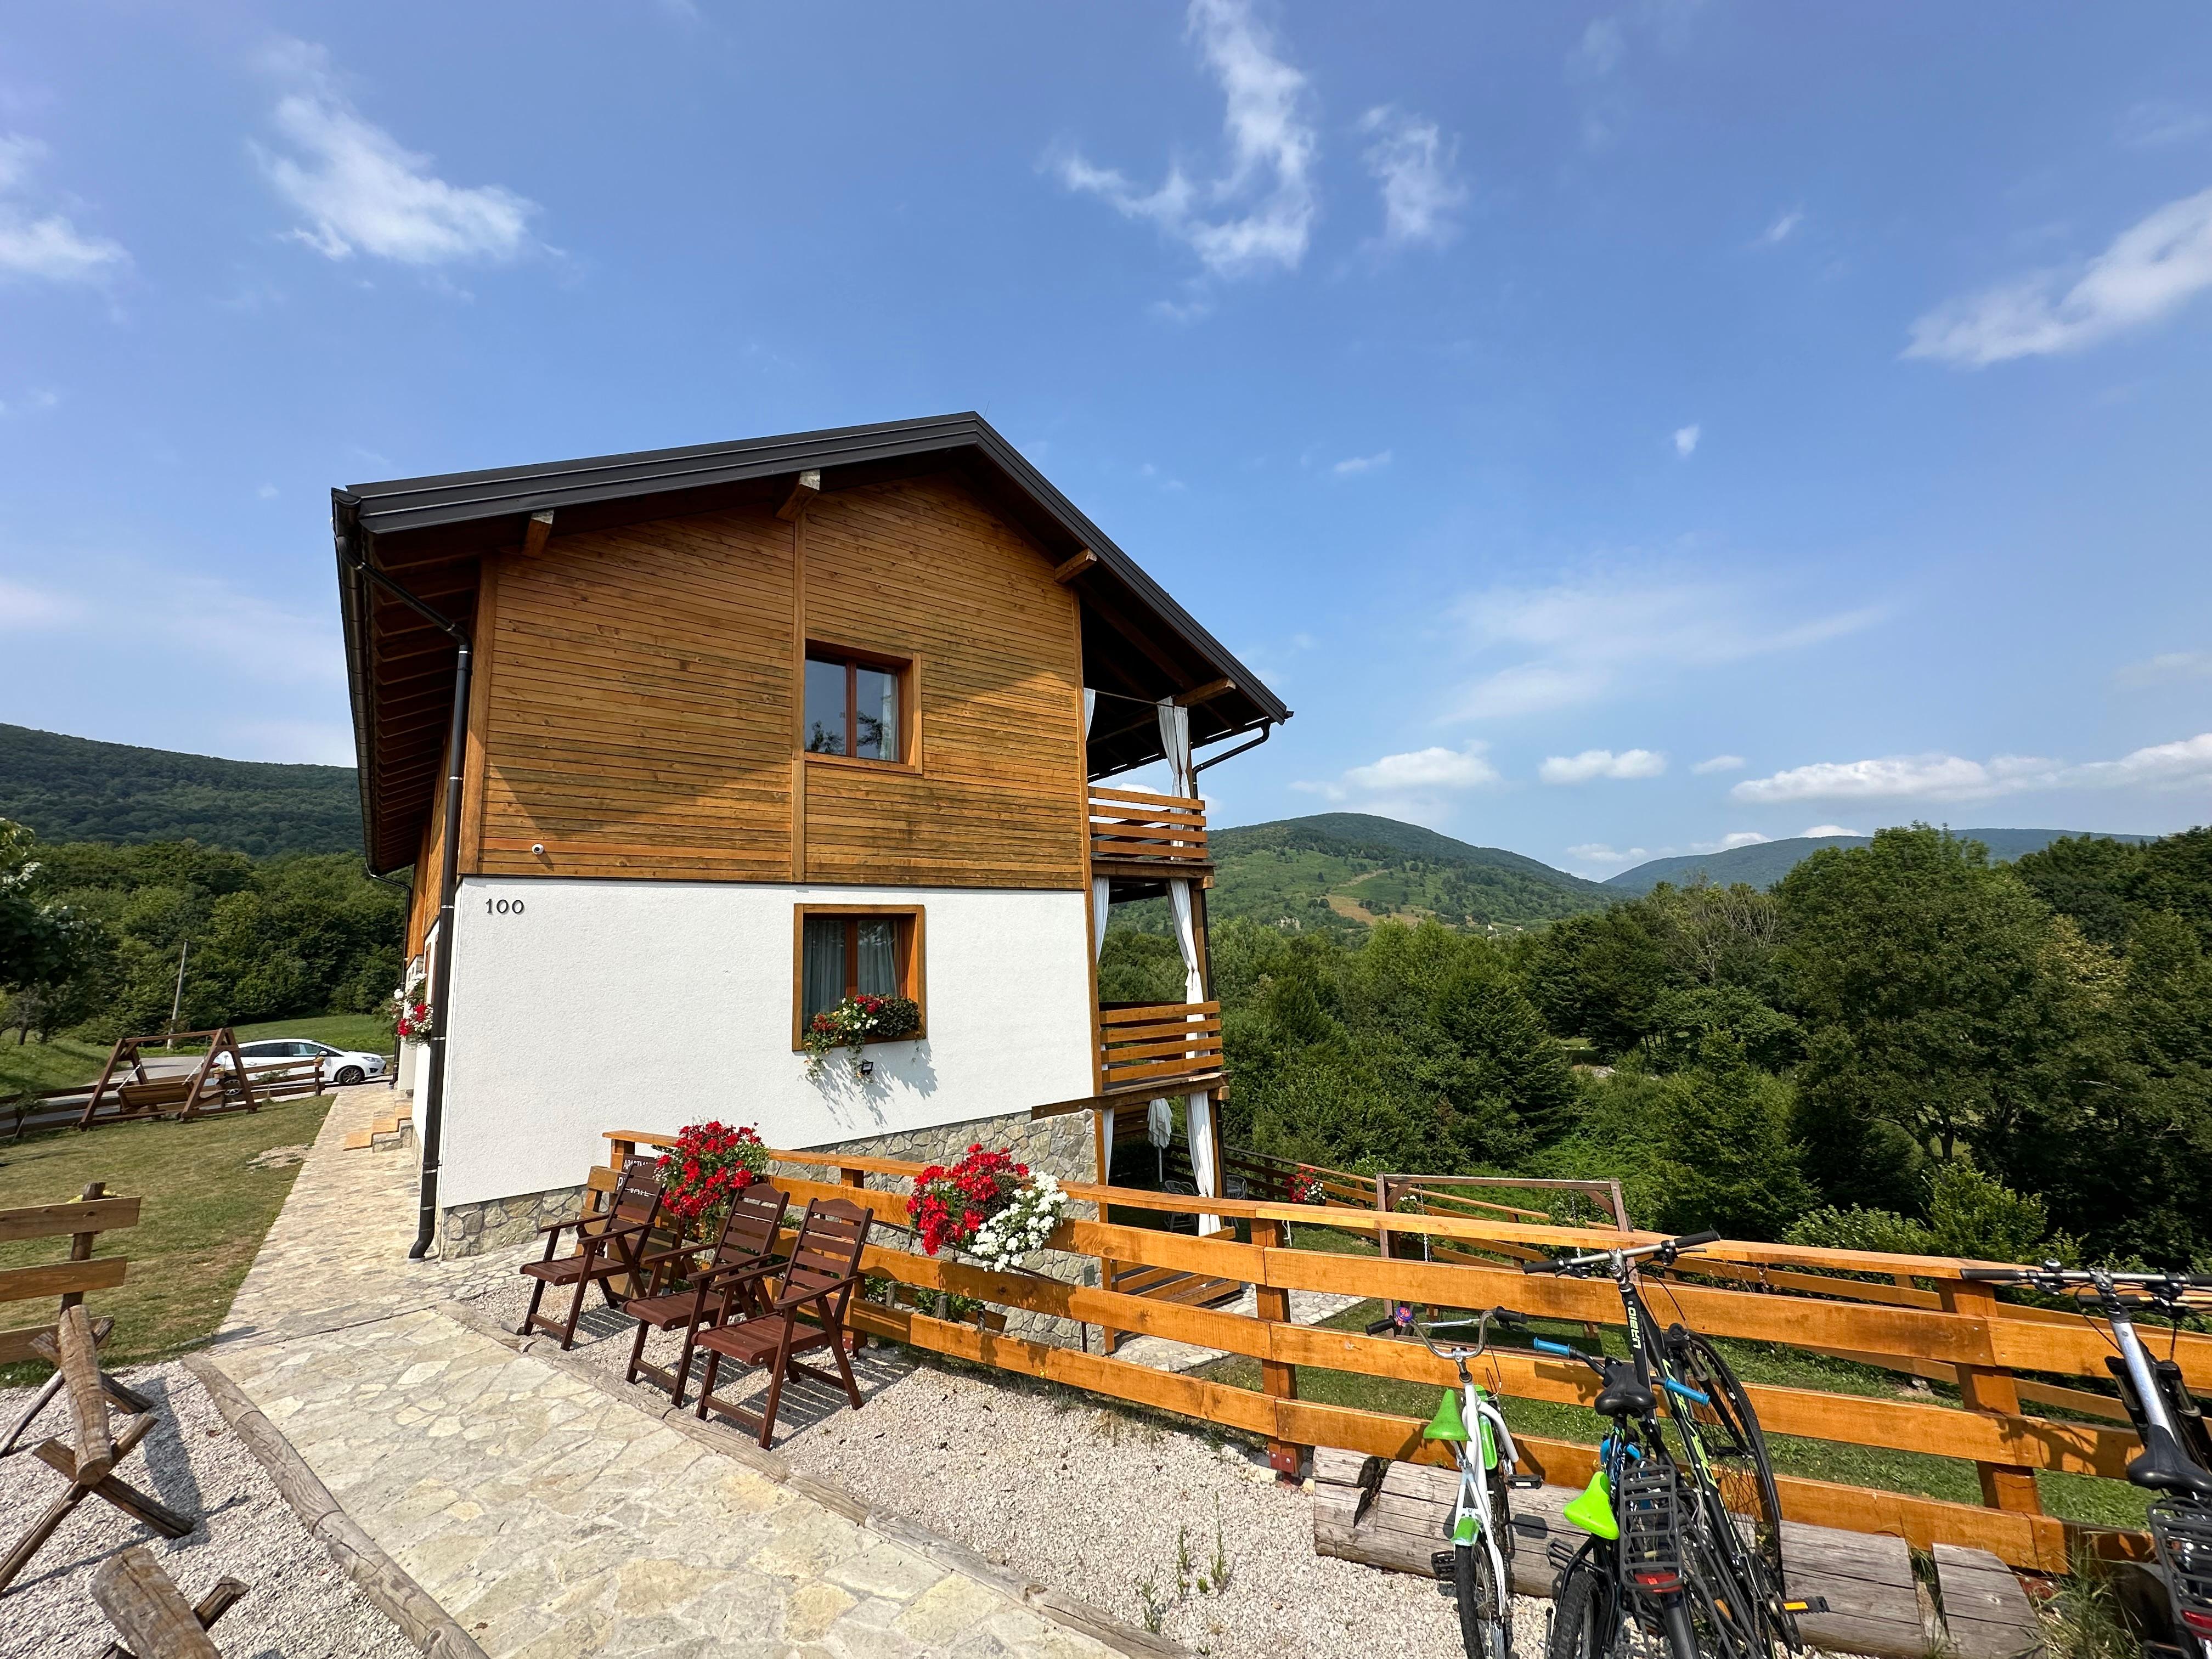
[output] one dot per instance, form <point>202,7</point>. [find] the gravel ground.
<point>297,1604</point>
<point>1091,1500</point>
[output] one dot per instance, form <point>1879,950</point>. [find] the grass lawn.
<point>202,1218</point>
<point>2075,1497</point>
<point>64,1062</point>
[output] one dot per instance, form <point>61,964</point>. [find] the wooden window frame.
<point>912,980</point>
<point>909,671</point>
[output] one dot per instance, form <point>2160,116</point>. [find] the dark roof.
<point>427,533</point>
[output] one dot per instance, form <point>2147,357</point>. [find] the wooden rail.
<point>81,1221</point>
<point>1156,1044</point>
<point>1127,824</point>
<point>1978,1339</point>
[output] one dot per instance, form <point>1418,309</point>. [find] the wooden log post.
<point>854,1341</point>
<point>2006,1486</point>
<point>144,1603</point>
<point>95,1444</point>
<point>81,1244</point>
<point>1278,1379</point>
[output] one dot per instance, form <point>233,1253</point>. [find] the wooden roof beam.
<point>1083,559</point>
<point>804,489</point>
<point>1120,623</point>
<point>1205,693</point>
<point>537,533</point>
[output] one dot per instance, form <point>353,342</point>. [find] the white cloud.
<point>267,492</point>
<point>1733,840</point>
<point>362,192</point>
<point>1417,167</point>
<point>2155,123</point>
<point>1821,831</point>
<point>1685,439</point>
<point>1352,465</point>
<point>2151,269</point>
<point>1263,205</point>
<point>2165,669</point>
<point>1420,785</point>
<point>1596,859</point>
<point>47,245</point>
<point>1783,228</point>
<point>1578,641</point>
<point>27,609</point>
<point>1604,43</point>
<point>1720,763</point>
<point>1939,777</point>
<point>1601,763</point>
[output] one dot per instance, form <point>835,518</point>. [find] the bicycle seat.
<point>1623,1395</point>
<point>2162,1467</point>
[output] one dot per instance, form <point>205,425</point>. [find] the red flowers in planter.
<point>1306,1188</point>
<point>710,1164</point>
<point>949,1206</point>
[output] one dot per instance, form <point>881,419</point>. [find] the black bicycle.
<point>2176,1460</point>
<point>1685,1548</point>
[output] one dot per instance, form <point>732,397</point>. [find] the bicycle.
<point>1477,1565</point>
<point>1668,1554</point>
<point>2176,1460</point>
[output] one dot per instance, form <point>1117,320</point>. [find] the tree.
<point>1927,982</point>
<point>1731,1163</point>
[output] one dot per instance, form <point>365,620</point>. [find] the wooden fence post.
<point>854,1341</point>
<point>1278,1380</point>
<point>81,1244</point>
<point>2006,1486</point>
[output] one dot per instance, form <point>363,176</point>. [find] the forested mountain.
<point>69,789</point>
<point>1767,862</point>
<point>1342,871</point>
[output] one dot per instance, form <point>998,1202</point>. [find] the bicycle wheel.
<point>1582,1616</point>
<point>1736,1454</point>
<point>1484,1616</point>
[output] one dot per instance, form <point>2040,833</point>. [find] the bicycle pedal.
<point>1442,1565</point>
<point>1532,1526</point>
<point>1810,1604</point>
<point>1561,1554</point>
<point>1524,1482</point>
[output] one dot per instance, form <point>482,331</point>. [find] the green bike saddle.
<point>1447,1424</point>
<point>1593,1511</point>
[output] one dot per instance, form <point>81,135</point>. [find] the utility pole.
<point>178,1001</point>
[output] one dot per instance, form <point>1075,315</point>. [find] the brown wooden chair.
<point>819,1280</point>
<point>609,1245</point>
<point>744,1253</point>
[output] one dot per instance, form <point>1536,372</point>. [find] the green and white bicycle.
<point>1477,1565</point>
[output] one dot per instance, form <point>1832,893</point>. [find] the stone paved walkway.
<point>547,1515</point>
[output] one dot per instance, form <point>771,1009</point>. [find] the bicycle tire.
<point>1579,1616</point>
<point>1735,1451</point>
<point>1484,1621</point>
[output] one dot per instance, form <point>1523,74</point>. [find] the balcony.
<point>1159,1047</point>
<point>1152,836</point>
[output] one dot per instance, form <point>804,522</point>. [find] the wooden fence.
<point>1906,1312</point>
<point>68,1280</point>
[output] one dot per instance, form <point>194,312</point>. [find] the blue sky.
<point>1614,430</point>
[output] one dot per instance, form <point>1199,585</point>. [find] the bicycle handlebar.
<point>2054,1274</point>
<point>1669,1247</point>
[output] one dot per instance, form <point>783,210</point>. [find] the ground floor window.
<point>852,951</point>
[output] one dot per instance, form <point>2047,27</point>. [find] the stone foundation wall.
<point>1065,1146</point>
<point>496,1223</point>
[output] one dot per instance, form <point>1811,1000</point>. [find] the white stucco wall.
<point>645,1004</point>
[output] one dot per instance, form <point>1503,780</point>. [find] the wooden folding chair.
<point>609,1245</point>
<point>744,1253</point>
<point>819,1280</point>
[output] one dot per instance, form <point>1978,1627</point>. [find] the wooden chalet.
<point>753,726</point>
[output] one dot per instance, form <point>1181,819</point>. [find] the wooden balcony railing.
<point>1157,828</point>
<point>1158,1044</point>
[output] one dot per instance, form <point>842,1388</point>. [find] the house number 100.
<point>503,906</point>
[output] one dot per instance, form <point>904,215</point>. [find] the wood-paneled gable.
<point>637,712</point>
<point>920,570</point>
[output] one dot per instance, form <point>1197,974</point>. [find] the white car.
<point>343,1066</point>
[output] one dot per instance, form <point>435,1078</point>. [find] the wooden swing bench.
<point>207,1089</point>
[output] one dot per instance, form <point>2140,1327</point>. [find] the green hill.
<point>77,789</point>
<point>1767,862</point>
<point>1346,870</point>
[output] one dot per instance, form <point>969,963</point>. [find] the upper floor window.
<point>854,705</point>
